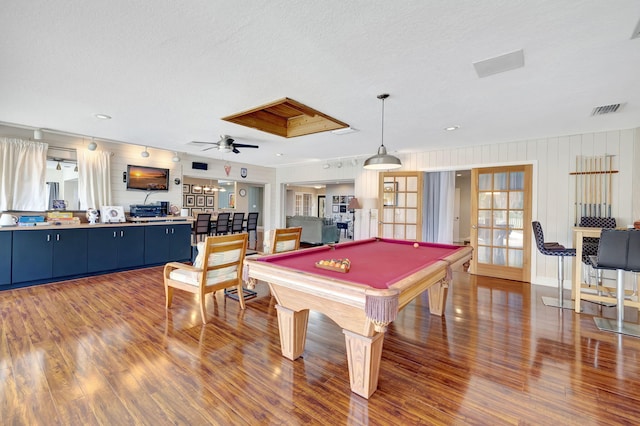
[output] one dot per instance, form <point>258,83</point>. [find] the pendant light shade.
<point>145,153</point>
<point>92,145</point>
<point>382,160</point>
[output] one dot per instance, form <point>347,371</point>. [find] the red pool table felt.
<point>375,262</point>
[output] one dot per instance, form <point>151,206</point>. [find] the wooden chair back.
<point>202,225</point>
<point>218,266</point>
<point>286,239</point>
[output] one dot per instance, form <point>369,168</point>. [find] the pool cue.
<point>610,176</point>
<point>584,187</point>
<point>604,198</point>
<point>599,179</point>
<point>575,198</point>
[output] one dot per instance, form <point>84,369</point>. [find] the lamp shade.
<point>354,204</point>
<point>382,161</point>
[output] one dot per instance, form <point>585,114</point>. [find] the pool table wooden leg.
<point>293,331</point>
<point>363,356</point>
<point>438,297</point>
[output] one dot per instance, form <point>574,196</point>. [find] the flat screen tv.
<point>147,178</point>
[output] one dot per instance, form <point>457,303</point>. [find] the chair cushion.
<point>213,277</point>
<point>284,246</point>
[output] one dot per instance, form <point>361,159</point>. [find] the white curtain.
<point>94,179</point>
<point>438,207</point>
<point>23,165</point>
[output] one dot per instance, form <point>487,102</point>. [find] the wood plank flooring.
<point>104,351</point>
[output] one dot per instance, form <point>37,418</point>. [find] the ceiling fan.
<point>225,144</point>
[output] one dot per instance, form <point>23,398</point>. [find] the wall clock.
<point>242,192</point>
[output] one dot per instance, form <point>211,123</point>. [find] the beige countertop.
<point>138,221</point>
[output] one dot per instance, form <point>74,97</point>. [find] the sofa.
<point>315,230</point>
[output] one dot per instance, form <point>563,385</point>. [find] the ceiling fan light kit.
<point>224,145</point>
<point>382,160</point>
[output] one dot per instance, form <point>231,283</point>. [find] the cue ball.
<point>416,245</point>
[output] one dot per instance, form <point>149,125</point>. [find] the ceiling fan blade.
<point>205,143</point>
<point>207,149</point>
<point>235,150</point>
<point>244,145</point>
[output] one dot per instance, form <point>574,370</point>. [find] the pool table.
<point>385,275</point>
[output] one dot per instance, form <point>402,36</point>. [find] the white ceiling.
<point>166,71</point>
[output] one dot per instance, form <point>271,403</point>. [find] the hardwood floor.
<point>103,350</point>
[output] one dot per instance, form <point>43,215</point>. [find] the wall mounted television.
<point>145,178</point>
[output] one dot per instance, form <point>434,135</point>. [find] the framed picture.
<point>232,201</point>
<point>336,199</point>
<point>343,199</point>
<point>335,208</point>
<point>190,200</point>
<point>196,189</point>
<point>200,201</point>
<point>390,196</point>
<point>211,200</point>
<point>343,208</point>
<point>186,188</point>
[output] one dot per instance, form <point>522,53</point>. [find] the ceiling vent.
<point>605,109</point>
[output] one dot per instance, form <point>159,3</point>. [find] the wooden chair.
<point>222,224</point>
<point>252,226</point>
<point>237,222</point>
<point>217,266</point>
<point>201,227</point>
<point>286,239</point>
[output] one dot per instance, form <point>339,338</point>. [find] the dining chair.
<point>222,224</point>
<point>252,226</point>
<point>201,227</point>
<point>217,267</point>
<point>237,222</point>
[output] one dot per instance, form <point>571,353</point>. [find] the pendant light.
<point>145,153</point>
<point>92,145</point>
<point>382,160</point>
<point>58,166</point>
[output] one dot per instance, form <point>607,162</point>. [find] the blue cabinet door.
<point>5,257</point>
<point>102,249</point>
<point>131,247</point>
<point>69,252</point>
<point>180,244</point>
<point>156,244</point>
<point>32,256</point>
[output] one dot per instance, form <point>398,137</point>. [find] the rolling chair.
<point>558,250</point>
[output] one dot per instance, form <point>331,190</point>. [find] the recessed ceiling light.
<point>452,128</point>
<point>279,154</point>
<point>102,116</point>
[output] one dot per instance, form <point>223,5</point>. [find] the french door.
<point>400,207</point>
<point>501,222</point>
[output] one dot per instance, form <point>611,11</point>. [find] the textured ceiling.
<point>167,71</point>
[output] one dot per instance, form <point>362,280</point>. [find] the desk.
<point>385,276</point>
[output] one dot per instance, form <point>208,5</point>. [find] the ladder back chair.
<point>201,227</point>
<point>217,267</point>
<point>237,223</point>
<point>222,224</point>
<point>252,226</point>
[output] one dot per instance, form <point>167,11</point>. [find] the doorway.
<point>500,217</point>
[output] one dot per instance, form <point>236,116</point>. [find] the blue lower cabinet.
<point>5,257</point>
<point>41,255</point>
<point>115,248</point>
<point>167,243</point>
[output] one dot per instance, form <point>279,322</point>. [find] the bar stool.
<point>619,250</point>
<point>553,249</point>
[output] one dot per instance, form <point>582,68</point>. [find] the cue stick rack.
<point>593,186</point>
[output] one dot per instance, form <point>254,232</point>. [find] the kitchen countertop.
<point>138,221</point>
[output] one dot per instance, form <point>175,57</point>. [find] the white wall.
<point>553,160</point>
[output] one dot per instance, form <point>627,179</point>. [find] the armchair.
<point>217,266</point>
